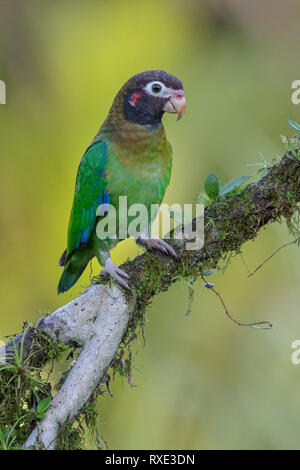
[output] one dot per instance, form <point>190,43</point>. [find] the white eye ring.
<point>162,90</point>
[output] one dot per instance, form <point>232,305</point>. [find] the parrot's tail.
<point>71,274</point>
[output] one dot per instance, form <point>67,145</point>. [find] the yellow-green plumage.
<point>126,158</point>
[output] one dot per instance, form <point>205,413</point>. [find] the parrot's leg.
<point>157,244</point>
<point>113,269</point>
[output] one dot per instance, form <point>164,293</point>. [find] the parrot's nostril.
<point>179,95</point>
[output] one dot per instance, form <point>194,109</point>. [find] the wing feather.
<point>89,194</point>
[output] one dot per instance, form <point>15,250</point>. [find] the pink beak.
<point>176,104</point>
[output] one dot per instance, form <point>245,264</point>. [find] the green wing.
<point>89,194</point>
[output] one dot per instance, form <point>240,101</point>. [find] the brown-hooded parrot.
<point>130,156</point>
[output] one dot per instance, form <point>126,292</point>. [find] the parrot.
<point>130,156</point>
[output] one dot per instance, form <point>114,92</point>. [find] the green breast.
<point>139,167</point>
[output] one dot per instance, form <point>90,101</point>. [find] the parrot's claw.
<point>161,245</point>
<point>115,273</point>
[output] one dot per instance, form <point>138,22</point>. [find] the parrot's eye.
<point>156,88</point>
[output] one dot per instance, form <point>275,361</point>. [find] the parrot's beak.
<point>176,104</point>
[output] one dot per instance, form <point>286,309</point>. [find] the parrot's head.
<point>148,95</point>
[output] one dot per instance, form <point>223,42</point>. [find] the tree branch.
<point>98,319</point>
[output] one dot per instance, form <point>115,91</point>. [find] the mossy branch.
<point>229,223</point>
<point>104,317</point>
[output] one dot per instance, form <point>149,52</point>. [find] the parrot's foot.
<point>158,244</point>
<point>116,273</point>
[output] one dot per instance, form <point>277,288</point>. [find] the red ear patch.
<point>134,98</point>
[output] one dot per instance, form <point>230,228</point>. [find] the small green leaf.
<point>233,184</point>
<point>212,186</point>
<point>264,326</point>
<point>203,198</point>
<point>292,148</point>
<point>43,405</point>
<point>294,125</point>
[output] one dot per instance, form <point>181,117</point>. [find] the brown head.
<point>145,97</point>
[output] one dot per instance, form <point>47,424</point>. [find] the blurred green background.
<point>202,382</point>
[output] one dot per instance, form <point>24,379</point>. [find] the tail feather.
<point>69,276</point>
<point>63,259</point>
